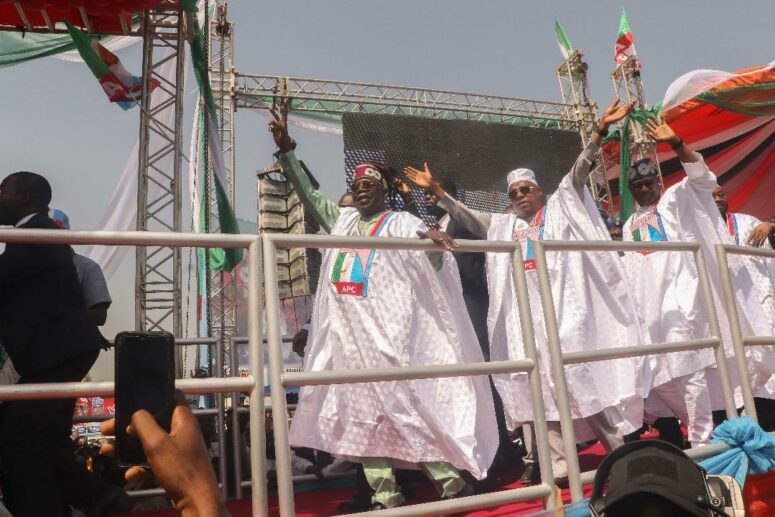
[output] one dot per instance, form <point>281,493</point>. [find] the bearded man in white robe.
<point>382,308</point>
<point>594,310</point>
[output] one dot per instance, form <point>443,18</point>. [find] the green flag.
<point>220,259</point>
<point>562,40</point>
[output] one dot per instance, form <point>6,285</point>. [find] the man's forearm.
<point>478,223</point>
<point>581,169</point>
<point>684,152</point>
<point>325,211</point>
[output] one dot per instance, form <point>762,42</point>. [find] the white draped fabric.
<point>666,287</point>
<point>402,312</point>
<point>594,311</point>
<point>757,276</point>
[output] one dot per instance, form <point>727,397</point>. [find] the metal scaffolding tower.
<point>628,87</point>
<point>158,269</point>
<point>574,87</point>
<point>222,319</point>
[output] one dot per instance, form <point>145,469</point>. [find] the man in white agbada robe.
<point>755,275</point>
<point>666,287</point>
<point>384,308</point>
<point>594,310</point>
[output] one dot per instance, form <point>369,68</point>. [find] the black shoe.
<point>115,500</point>
<point>467,490</point>
<point>359,503</point>
<point>562,482</point>
<point>531,475</point>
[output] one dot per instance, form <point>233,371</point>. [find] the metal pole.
<point>536,393</point>
<point>236,435</point>
<point>403,373</point>
<point>282,446</point>
<point>558,373</point>
<point>221,420</point>
<point>737,334</point>
<point>256,358</point>
<point>715,331</point>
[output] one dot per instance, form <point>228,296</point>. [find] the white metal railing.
<point>740,342</point>
<point>559,359</point>
<point>253,384</point>
<point>279,381</point>
<point>266,245</point>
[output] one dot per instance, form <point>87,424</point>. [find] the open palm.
<point>422,178</point>
<point>614,113</point>
<point>660,132</point>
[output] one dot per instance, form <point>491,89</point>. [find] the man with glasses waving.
<point>667,292</point>
<point>381,309</point>
<point>594,310</point>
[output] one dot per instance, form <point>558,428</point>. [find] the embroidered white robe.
<point>401,313</point>
<point>666,287</point>
<point>594,311</point>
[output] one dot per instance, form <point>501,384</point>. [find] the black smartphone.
<point>145,379</point>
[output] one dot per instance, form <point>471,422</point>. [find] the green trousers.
<point>381,477</point>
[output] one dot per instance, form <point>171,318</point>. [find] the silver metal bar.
<point>174,239</point>
<point>236,435</point>
<point>464,504</point>
<point>281,438</point>
<point>287,240</point>
<point>534,375</point>
<point>85,19</point>
<point>748,250</point>
<point>618,246</point>
<point>101,417</point>
<point>259,500</point>
<point>403,373</point>
<point>758,340</point>
<point>66,390</point>
<point>47,19</point>
<point>221,420</point>
<point>124,27</point>
<point>22,15</point>
<point>730,304</point>
<point>587,356</point>
<point>715,331</point>
<point>256,92</point>
<point>558,372</point>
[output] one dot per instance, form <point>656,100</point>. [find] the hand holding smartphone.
<point>145,379</point>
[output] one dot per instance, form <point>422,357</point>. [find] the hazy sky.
<point>57,121</point>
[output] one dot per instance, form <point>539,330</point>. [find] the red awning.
<point>95,16</point>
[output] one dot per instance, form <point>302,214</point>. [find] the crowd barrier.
<point>261,252</point>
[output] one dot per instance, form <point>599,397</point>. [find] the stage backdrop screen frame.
<point>475,155</point>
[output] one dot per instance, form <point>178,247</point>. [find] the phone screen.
<point>145,379</point>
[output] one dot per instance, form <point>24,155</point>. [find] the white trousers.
<point>688,399</point>
<point>608,434</point>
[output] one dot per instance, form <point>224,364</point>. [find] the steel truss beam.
<point>258,92</point>
<point>158,268</point>
<point>574,87</point>
<point>223,289</point>
<point>628,87</point>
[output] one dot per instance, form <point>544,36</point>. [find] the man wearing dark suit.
<point>50,338</point>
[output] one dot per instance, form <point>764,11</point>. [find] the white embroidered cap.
<point>520,175</point>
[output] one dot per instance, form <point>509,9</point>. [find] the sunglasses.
<point>643,183</point>
<point>524,190</point>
